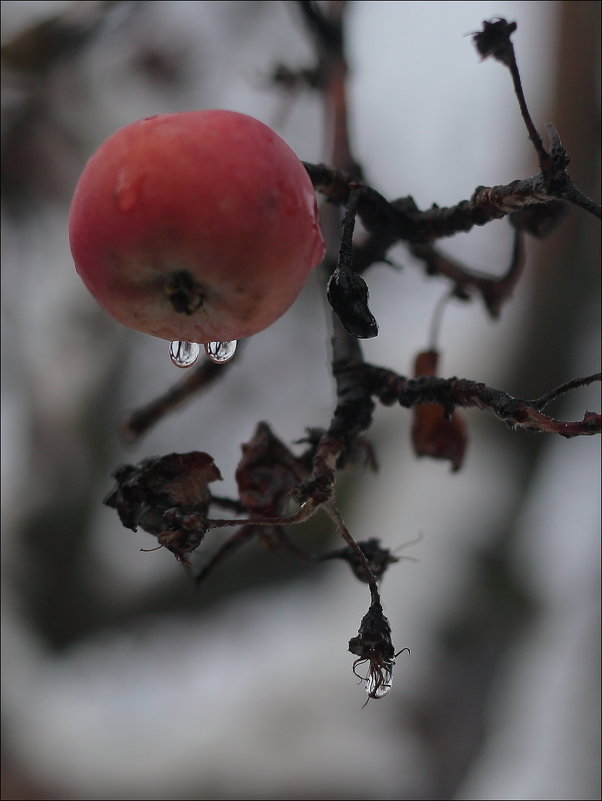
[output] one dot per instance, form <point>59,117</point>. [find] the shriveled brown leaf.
<point>267,473</point>
<point>167,496</point>
<point>435,434</point>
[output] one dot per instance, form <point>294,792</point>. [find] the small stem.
<point>494,291</point>
<point>347,292</point>
<point>226,549</point>
<point>346,248</point>
<point>228,503</point>
<point>334,514</point>
<point>545,162</point>
<point>436,320</point>
<point>305,512</point>
<point>541,402</point>
<point>297,549</point>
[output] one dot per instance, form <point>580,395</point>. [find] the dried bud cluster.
<point>378,559</point>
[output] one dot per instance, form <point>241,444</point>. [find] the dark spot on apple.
<point>184,293</point>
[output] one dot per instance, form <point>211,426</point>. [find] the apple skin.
<point>198,226</point>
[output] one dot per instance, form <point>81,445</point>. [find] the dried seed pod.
<point>347,294</point>
<point>373,645</point>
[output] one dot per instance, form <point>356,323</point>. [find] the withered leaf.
<point>434,433</point>
<point>267,473</point>
<point>167,496</point>
<point>378,558</point>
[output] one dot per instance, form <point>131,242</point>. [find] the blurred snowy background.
<point>122,681</point>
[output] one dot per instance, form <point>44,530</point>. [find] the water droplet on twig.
<point>184,354</point>
<point>378,683</point>
<point>220,352</point>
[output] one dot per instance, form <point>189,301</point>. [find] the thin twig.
<point>138,422</point>
<point>541,402</point>
<point>436,320</point>
<point>335,516</point>
<point>389,388</point>
<point>347,292</point>
<point>494,291</point>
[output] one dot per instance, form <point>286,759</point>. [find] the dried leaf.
<point>267,473</point>
<point>434,433</point>
<point>167,496</point>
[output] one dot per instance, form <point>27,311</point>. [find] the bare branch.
<point>138,422</point>
<point>389,388</point>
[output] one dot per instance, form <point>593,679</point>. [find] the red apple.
<point>199,226</point>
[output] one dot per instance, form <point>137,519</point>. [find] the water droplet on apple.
<point>127,199</point>
<point>220,352</point>
<point>128,190</point>
<point>184,354</point>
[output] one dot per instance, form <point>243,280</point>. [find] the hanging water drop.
<point>220,352</point>
<point>184,354</point>
<point>378,682</point>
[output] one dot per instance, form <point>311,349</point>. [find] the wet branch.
<point>389,388</point>
<point>402,221</point>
